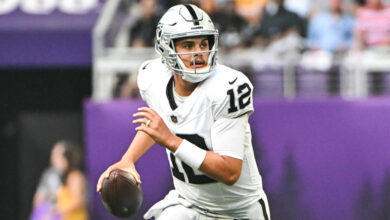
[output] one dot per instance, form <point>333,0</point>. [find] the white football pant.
<point>173,207</point>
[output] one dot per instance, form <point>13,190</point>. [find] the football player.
<point>198,110</point>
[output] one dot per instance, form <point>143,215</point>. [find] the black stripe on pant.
<point>265,215</point>
<point>262,203</point>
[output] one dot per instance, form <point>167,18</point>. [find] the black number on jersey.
<point>189,172</point>
<point>244,99</point>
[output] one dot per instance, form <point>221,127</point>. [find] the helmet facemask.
<point>196,74</point>
<point>167,34</point>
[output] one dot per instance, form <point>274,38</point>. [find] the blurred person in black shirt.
<point>143,31</point>
<point>278,22</point>
<point>230,25</point>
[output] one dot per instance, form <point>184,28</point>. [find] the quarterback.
<point>198,110</point>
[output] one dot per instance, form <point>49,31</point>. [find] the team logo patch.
<point>174,119</point>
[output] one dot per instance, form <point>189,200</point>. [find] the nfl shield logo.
<point>174,119</point>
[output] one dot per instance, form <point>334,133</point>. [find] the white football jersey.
<point>226,94</point>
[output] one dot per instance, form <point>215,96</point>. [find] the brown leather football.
<point>121,195</point>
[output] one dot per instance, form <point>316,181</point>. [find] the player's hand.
<point>122,165</point>
<point>152,124</point>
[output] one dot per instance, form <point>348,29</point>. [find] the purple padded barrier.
<point>320,160</point>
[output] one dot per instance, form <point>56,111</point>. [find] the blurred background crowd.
<point>288,48</point>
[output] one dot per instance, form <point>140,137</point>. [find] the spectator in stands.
<point>143,31</point>
<point>251,10</point>
<point>372,32</point>
<point>356,4</point>
<point>61,193</point>
<point>278,22</point>
<point>72,195</point>
<point>230,25</point>
<point>209,6</point>
<point>331,30</point>
<point>302,7</point>
<point>360,2</point>
<point>373,25</point>
<point>45,196</point>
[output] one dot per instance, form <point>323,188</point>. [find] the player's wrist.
<point>174,143</point>
<point>127,161</point>
<point>190,154</point>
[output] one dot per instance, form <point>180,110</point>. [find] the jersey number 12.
<point>244,92</point>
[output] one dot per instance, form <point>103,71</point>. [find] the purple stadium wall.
<point>319,160</point>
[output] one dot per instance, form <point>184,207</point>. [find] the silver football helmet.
<point>182,21</point>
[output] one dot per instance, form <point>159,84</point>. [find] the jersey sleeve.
<point>228,136</point>
<point>235,98</point>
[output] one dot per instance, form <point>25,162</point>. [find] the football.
<point>121,195</point>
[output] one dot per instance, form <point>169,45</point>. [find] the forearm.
<point>140,144</point>
<point>222,168</point>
